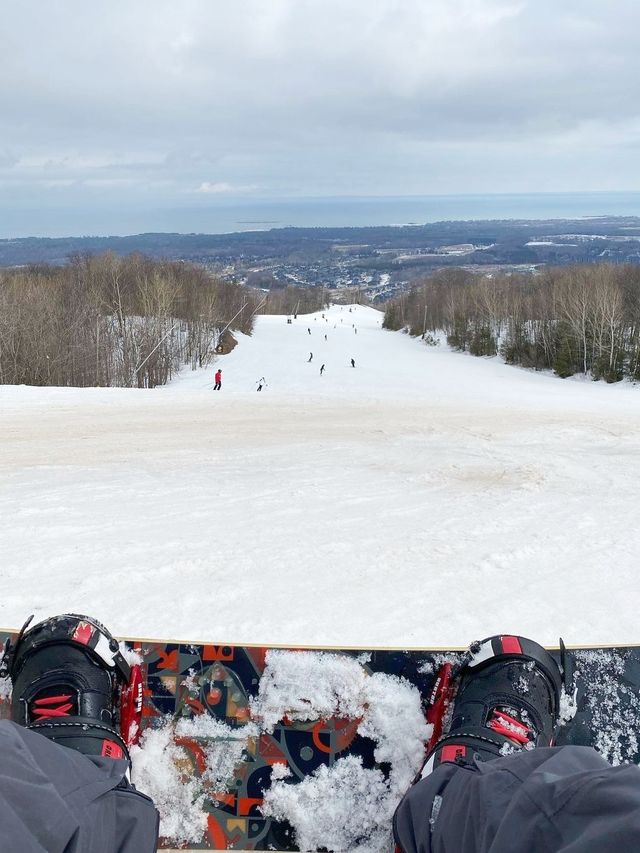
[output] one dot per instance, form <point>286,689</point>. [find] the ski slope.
<point>422,498</point>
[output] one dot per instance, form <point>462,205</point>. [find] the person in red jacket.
<point>218,383</point>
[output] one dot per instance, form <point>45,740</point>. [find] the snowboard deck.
<point>186,680</point>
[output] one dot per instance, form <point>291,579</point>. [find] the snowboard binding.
<point>72,684</point>
<point>503,697</point>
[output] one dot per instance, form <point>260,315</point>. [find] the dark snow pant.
<point>556,800</point>
<point>55,800</point>
<point>217,386</point>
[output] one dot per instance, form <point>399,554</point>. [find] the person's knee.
<point>418,810</point>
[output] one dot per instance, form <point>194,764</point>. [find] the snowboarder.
<point>492,783</point>
<point>321,370</point>
<point>218,380</point>
<point>65,766</point>
<point>353,362</point>
<point>310,359</point>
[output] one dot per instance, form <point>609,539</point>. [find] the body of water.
<point>222,216</point>
<point>335,212</point>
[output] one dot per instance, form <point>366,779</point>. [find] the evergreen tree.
<point>565,362</point>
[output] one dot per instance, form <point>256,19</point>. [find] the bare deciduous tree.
<point>577,319</point>
<point>107,320</point>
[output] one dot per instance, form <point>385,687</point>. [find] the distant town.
<point>378,262</point>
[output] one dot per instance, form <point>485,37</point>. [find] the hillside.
<point>423,497</point>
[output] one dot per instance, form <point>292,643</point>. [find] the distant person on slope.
<point>218,380</point>
<point>308,330</point>
<point>353,362</point>
<point>261,382</point>
<point>321,370</point>
<point>310,359</point>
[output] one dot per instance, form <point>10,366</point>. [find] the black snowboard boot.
<point>507,699</point>
<point>67,673</point>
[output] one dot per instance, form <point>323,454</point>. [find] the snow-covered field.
<point>422,498</point>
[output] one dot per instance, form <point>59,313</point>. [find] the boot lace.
<point>52,706</point>
<point>511,727</point>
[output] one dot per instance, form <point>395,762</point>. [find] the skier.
<point>308,330</point>
<point>494,784</point>
<point>260,383</point>
<point>310,359</point>
<point>321,370</point>
<point>65,767</point>
<point>218,380</point>
<point>325,337</point>
<point>353,362</point>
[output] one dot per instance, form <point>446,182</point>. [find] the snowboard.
<point>214,699</point>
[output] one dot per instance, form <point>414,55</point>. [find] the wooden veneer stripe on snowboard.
<point>346,648</point>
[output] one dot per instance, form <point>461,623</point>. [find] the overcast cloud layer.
<point>181,105</point>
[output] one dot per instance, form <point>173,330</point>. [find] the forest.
<point>105,320</point>
<point>577,319</point>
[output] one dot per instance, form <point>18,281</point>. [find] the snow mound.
<point>155,772</point>
<point>339,808</point>
<point>6,689</point>
<point>160,769</point>
<point>568,706</point>
<point>131,656</point>
<point>345,807</point>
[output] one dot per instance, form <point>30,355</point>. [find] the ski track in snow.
<point>424,498</point>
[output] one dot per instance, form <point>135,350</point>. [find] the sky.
<point>157,105</point>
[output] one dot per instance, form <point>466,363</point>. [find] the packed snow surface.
<point>420,498</point>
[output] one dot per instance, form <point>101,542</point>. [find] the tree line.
<point>107,320</point>
<point>294,300</point>
<point>580,319</point>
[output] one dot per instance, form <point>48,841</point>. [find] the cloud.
<point>57,183</point>
<point>8,160</point>
<point>319,96</point>
<point>223,188</point>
